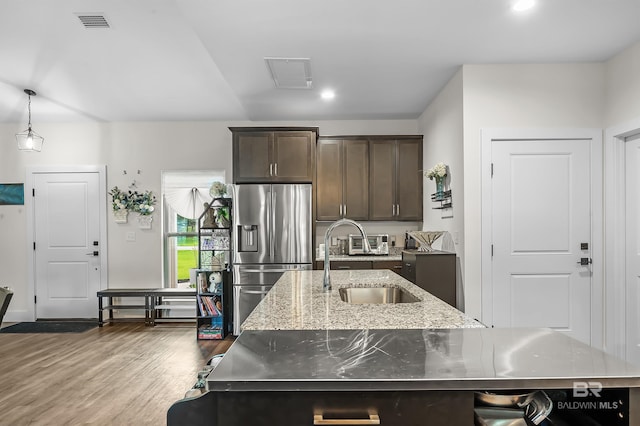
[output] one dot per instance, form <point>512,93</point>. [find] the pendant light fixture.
<point>29,140</point>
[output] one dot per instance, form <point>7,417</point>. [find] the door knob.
<point>94,253</point>
<point>584,261</point>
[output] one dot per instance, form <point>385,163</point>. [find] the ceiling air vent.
<point>290,73</point>
<point>93,20</point>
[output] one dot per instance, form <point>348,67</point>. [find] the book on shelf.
<point>212,329</point>
<point>214,242</point>
<point>210,306</point>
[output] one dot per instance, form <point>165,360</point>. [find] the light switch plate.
<point>131,236</point>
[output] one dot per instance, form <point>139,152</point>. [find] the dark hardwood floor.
<point>121,374</point>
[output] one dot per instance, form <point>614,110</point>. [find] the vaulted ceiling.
<point>205,59</point>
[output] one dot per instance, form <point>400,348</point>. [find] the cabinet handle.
<point>318,419</point>
<point>343,267</point>
<point>275,168</point>
<point>393,209</point>
<point>345,210</point>
<point>397,209</point>
<point>408,265</point>
<point>340,214</point>
<point>270,169</point>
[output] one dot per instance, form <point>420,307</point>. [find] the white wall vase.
<point>120,216</point>
<point>144,221</point>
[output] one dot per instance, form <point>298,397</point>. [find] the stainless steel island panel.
<point>385,360</point>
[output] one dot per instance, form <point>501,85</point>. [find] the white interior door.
<point>632,147</point>
<point>540,217</point>
<point>67,265</point>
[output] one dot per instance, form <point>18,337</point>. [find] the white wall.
<point>148,147</point>
<point>622,117</point>
<point>442,126</point>
<point>622,85</point>
<point>518,96</point>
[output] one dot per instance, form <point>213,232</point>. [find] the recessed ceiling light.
<point>328,94</point>
<point>522,5</point>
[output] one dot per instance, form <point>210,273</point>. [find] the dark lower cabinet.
<point>394,265</point>
<point>345,264</point>
<point>433,271</point>
<point>407,408</point>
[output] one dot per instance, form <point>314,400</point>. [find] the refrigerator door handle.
<point>272,234</point>
<point>269,219</point>
<point>271,270</point>
<point>254,291</point>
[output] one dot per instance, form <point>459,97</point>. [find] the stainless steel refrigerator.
<point>272,228</point>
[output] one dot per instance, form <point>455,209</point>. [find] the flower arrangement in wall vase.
<point>439,173</point>
<point>120,204</point>
<point>143,204</point>
<point>124,202</point>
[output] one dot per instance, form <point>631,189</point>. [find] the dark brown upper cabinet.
<point>342,179</point>
<point>395,179</point>
<point>264,154</point>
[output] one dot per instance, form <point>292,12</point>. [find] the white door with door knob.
<point>541,235</point>
<point>67,244</point>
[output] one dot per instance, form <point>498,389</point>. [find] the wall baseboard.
<point>17,316</point>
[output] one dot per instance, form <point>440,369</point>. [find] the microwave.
<point>379,244</point>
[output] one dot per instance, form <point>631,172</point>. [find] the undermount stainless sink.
<point>376,295</point>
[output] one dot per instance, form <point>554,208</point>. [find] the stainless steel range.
<point>273,235</point>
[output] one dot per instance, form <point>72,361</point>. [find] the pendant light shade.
<point>28,140</point>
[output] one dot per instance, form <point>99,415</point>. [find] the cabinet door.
<point>435,272</point>
<point>382,179</point>
<point>409,266</point>
<point>345,264</point>
<point>349,264</point>
<point>329,179</point>
<point>294,156</point>
<point>394,265</point>
<point>252,157</point>
<point>285,408</point>
<point>356,179</point>
<point>409,180</point>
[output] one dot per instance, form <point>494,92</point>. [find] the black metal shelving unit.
<point>214,278</point>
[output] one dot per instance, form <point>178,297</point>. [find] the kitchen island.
<point>297,302</point>
<point>306,357</point>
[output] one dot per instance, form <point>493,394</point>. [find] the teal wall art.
<point>11,194</point>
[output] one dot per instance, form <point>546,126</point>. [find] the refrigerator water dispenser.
<point>247,237</point>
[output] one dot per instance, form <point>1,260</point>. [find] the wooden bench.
<point>152,302</point>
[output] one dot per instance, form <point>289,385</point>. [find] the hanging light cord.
<point>29,107</point>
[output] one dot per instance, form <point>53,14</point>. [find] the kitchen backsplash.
<point>396,230</point>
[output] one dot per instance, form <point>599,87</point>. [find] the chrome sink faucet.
<point>326,281</point>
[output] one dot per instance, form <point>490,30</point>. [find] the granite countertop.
<point>297,302</point>
<point>455,359</point>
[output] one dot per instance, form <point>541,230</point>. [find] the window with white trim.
<point>183,196</point>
